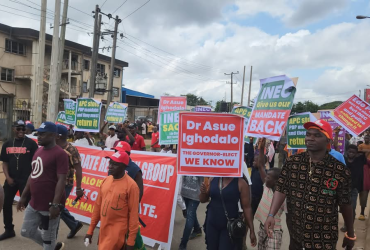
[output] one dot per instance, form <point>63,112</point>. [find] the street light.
<point>362,17</point>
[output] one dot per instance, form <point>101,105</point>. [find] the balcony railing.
<point>74,65</point>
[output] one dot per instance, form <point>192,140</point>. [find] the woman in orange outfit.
<point>117,207</point>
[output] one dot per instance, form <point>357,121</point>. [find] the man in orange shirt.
<point>117,207</point>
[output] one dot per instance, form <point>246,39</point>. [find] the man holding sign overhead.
<point>315,184</point>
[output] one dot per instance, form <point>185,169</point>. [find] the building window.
<point>86,65</point>
<point>7,75</point>
<point>116,92</point>
<point>117,72</point>
<point>100,68</point>
<point>15,47</point>
<point>84,87</point>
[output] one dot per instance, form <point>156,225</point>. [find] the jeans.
<point>191,220</point>
<point>354,194</point>
<point>65,215</point>
<point>9,194</point>
<point>31,230</point>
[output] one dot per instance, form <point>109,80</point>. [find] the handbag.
<point>236,227</point>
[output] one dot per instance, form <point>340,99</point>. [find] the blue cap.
<point>30,126</point>
<point>62,130</point>
<point>47,127</point>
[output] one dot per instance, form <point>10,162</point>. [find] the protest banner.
<point>169,128</point>
<point>70,110</point>
<point>326,116</point>
<point>61,119</point>
<point>203,109</point>
<point>210,144</point>
<point>272,108</point>
<point>116,113</point>
<point>88,115</point>
<point>296,133</point>
<point>171,103</point>
<point>246,113</point>
<point>158,205</point>
<point>353,114</point>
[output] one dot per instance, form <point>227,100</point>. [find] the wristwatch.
<point>55,205</point>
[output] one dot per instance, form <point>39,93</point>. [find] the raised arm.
<point>261,160</point>
<point>102,129</point>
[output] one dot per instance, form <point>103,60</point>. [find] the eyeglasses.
<point>19,129</point>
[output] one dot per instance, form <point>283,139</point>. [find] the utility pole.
<point>241,102</point>
<point>112,61</point>
<point>39,88</point>
<point>231,83</point>
<point>53,97</point>
<point>250,87</point>
<point>62,41</point>
<point>82,74</point>
<point>95,52</point>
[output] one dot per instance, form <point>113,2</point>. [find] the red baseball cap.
<point>120,156</point>
<point>123,146</point>
<point>322,125</point>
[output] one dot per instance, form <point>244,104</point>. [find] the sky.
<point>186,46</point>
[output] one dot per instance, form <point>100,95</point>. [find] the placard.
<point>210,144</point>
<point>171,103</point>
<point>61,119</point>
<point>272,108</point>
<point>296,133</point>
<point>326,116</point>
<point>88,115</point>
<point>246,113</point>
<point>203,109</point>
<point>353,114</point>
<point>70,110</point>
<point>169,128</point>
<point>116,113</point>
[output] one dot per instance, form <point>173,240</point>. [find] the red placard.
<point>157,207</point>
<point>210,144</point>
<point>367,95</point>
<point>171,103</point>
<point>354,115</point>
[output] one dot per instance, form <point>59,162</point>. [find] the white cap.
<point>112,127</point>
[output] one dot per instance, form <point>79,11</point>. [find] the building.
<point>140,105</point>
<point>18,70</point>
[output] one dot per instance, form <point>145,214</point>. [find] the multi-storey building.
<point>18,70</point>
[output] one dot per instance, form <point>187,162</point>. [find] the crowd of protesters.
<point>308,187</point>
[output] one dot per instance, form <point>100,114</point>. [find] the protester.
<point>167,149</point>
<point>356,164</point>
<point>45,186</point>
<point>282,153</point>
<point>257,184</point>
<point>150,129</point>
<point>123,134</point>
<point>139,143</point>
<point>233,190</point>
<point>143,129</point>
<point>121,216</point>
<point>269,180</point>
<point>70,134</point>
<point>30,129</point>
<point>365,149</point>
<point>155,147</point>
<point>1,198</point>
<point>190,192</point>
<point>111,137</point>
<point>180,200</point>
<point>83,139</point>
<point>16,155</point>
<point>74,164</point>
<point>314,214</point>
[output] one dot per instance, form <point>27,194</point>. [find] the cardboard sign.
<point>203,109</point>
<point>158,205</point>
<point>70,110</point>
<point>116,113</point>
<point>61,119</point>
<point>353,114</point>
<point>210,144</point>
<point>88,115</point>
<point>296,133</point>
<point>246,113</point>
<point>169,128</point>
<point>272,108</point>
<point>171,103</point>
<point>326,116</point>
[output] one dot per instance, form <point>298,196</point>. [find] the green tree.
<point>194,100</point>
<point>306,106</point>
<point>331,105</point>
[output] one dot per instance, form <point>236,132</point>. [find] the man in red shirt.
<point>139,143</point>
<point>155,147</point>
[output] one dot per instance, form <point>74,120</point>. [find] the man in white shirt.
<point>111,137</point>
<point>83,139</point>
<point>143,129</point>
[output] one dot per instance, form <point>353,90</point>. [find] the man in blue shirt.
<point>337,155</point>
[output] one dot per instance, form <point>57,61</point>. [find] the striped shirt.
<point>264,208</point>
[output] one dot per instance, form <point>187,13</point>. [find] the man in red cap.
<point>117,207</point>
<point>315,184</point>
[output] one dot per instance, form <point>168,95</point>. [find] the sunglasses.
<point>19,129</point>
